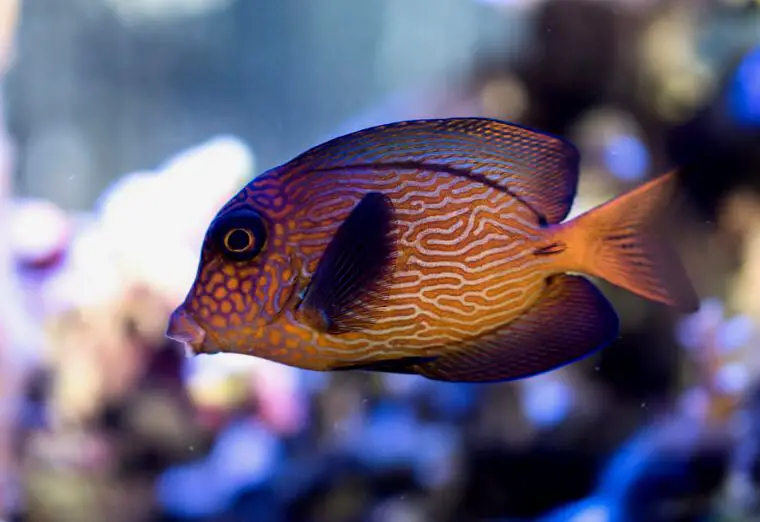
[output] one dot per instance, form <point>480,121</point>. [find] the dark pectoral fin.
<point>405,365</point>
<point>571,320</point>
<point>351,280</point>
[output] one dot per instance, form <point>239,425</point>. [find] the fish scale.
<point>433,247</point>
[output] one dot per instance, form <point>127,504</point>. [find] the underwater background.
<point>126,124</point>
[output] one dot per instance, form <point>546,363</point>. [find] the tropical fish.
<point>429,247</point>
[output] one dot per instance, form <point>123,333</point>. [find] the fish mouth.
<point>186,330</point>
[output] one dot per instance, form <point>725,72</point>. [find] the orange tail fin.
<point>618,242</point>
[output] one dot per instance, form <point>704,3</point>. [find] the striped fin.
<point>405,365</point>
<point>352,276</point>
<point>571,320</point>
<point>539,169</point>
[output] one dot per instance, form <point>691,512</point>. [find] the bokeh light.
<point>744,94</point>
<point>126,124</point>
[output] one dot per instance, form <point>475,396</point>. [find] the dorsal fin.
<point>539,169</point>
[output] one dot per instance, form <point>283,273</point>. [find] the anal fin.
<point>571,320</point>
<point>406,365</point>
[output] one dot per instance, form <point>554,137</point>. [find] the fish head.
<point>246,278</point>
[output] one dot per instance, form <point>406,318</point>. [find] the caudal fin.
<point>621,245</point>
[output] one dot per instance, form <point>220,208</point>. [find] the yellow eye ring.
<point>239,240</point>
<point>239,235</point>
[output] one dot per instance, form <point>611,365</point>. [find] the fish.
<point>435,247</point>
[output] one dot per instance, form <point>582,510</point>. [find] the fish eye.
<point>238,240</point>
<point>240,235</point>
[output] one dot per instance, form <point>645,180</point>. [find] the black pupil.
<point>238,240</point>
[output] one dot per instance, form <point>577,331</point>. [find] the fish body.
<point>433,247</point>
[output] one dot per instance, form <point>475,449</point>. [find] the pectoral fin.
<point>351,280</point>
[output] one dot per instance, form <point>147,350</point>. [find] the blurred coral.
<point>103,418</point>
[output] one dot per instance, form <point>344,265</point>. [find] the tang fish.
<point>430,247</point>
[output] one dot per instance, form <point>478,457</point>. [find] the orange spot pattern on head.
<point>238,303</point>
<point>215,280</point>
<point>218,300</point>
<point>218,321</point>
<point>208,302</point>
<point>236,298</point>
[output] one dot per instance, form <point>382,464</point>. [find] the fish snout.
<point>184,329</point>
